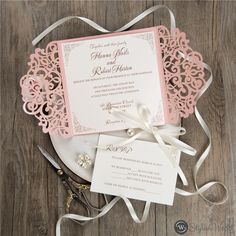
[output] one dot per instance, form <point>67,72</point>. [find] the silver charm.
<point>130,132</point>
<point>84,160</point>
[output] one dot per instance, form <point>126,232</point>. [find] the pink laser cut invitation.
<point>153,59</point>
<point>117,70</point>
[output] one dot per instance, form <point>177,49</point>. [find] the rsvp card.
<point>117,70</point>
<point>139,170</point>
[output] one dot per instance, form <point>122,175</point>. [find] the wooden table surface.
<point>31,195</point>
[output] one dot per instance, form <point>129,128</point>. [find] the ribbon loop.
<point>100,28</point>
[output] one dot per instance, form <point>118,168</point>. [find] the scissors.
<point>74,189</point>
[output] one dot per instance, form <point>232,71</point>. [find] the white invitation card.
<point>139,170</point>
<point>118,70</point>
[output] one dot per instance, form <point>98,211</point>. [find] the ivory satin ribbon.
<point>165,134</point>
<point>202,157</point>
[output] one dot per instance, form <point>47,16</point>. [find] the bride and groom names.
<point>111,57</point>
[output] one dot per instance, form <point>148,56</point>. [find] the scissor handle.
<point>74,196</point>
<point>69,199</point>
<point>76,192</point>
<point>79,186</point>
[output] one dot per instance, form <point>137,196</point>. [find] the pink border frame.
<point>159,65</point>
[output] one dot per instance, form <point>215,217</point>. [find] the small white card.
<point>139,171</point>
<point>117,70</point>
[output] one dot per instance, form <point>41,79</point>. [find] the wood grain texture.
<point>31,195</point>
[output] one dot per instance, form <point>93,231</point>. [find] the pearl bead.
<point>130,132</point>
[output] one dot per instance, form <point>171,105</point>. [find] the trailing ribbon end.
<point>105,209</point>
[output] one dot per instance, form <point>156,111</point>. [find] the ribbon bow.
<point>165,135</point>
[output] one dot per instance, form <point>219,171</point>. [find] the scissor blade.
<point>49,157</point>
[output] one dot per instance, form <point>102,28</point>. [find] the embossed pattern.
<point>42,87</point>
<point>42,91</point>
<point>183,72</point>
